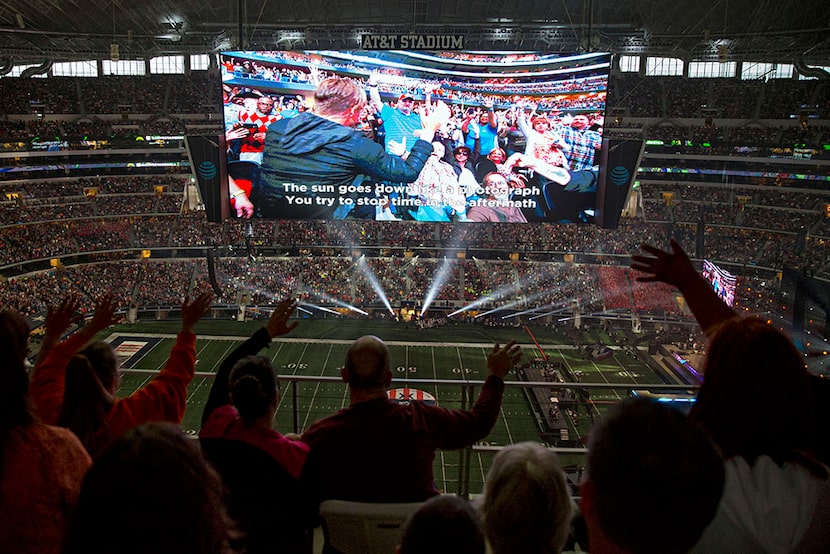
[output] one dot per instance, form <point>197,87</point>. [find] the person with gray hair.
<point>379,450</point>
<point>526,506</point>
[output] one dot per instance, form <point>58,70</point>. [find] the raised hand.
<point>60,317</point>
<point>314,75</point>
<point>236,133</point>
<point>397,148</point>
<point>440,115</point>
<point>104,315</point>
<point>676,269</point>
<point>196,310</point>
<point>502,359</point>
<point>278,322</point>
<point>244,208</point>
<point>673,267</point>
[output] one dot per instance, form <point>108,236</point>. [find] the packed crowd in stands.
<point>750,221</point>
<point>68,440</point>
<point>48,442</point>
<point>524,284</point>
<point>169,95</point>
<point>65,201</point>
<point>675,97</point>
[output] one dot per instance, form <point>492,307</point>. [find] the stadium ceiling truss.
<point>38,31</point>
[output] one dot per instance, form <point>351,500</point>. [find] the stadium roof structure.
<point>757,30</point>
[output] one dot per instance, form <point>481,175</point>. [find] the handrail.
<point>468,390</point>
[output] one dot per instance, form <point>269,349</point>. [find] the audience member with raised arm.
<point>378,450</point>
<point>74,386</point>
<point>259,466</point>
<point>756,403</point>
<point>41,467</point>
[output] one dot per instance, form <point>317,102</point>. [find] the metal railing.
<point>468,394</point>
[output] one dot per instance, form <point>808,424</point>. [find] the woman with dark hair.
<point>755,399</point>
<point>150,491</point>
<point>756,404</point>
<point>75,387</point>
<point>41,467</point>
<point>260,467</point>
<point>444,524</point>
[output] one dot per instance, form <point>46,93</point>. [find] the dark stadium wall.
<point>210,171</point>
<point>619,160</point>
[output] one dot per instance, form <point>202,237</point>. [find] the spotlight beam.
<point>335,301</point>
<point>557,311</point>
<point>373,280</point>
<point>321,308</point>
<point>500,308</point>
<point>441,278</point>
<point>537,309</point>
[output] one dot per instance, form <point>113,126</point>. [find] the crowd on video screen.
<point>311,136</point>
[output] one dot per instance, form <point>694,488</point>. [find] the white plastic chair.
<point>364,527</point>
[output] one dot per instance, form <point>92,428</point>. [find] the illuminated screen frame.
<point>281,167</point>
<point>723,282</point>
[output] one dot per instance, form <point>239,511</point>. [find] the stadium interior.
<point>730,100</point>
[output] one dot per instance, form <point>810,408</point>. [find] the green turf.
<point>454,352</point>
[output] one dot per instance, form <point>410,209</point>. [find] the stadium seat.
<point>363,527</point>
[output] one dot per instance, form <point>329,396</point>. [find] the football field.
<point>450,371</point>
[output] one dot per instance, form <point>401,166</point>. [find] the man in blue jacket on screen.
<point>318,163</point>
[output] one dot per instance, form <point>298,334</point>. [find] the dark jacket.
<point>308,159</point>
<point>260,469</point>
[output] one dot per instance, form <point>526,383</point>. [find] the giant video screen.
<point>510,137</point>
<point>722,281</point>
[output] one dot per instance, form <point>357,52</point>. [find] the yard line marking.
<point>296,366</point>
<point>443,470</point>
<point>481,466</point>
<point>277,354</point>
<point>602,374</point>
<point>316,389</point>
<point>506,426</point>
<point>625,370</point>
<point>214,370</point>
<point>460,363</point>
<point>345,400</point>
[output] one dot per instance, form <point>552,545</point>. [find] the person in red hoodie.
<point>74,385</point>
